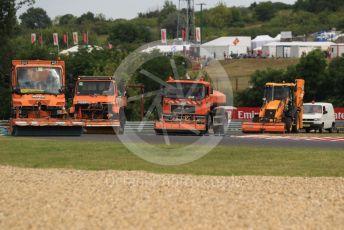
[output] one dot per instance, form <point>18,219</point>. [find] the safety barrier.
<point>4,128</point>
<point>147,127</point>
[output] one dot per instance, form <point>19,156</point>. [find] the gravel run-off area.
<point>72,199</point>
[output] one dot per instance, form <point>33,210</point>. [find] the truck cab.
<point>100,103</point>
<point>318,117</point>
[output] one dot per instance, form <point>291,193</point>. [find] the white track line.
<point>267,137</point>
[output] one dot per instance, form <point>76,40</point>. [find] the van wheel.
<point>321,128</point>
<point>332,129</point>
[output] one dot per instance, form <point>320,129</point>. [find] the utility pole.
<point>201,21</point>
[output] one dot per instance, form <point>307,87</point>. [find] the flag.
<point>33,38</point>
<point>198,34</point>
<point>75,38</point>
<point>184,34</point>
<point>40,39</point>
<point>56,39</point>
<point>86,38</point>
<point>65,39</point>
<point>163,36</point>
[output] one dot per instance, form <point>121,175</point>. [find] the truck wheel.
<point>308,130</point>
<point>219,130</point>
<point>296,126</point>
<point>208,120</point>
<point>122,119</point>
<point>288,125</point>
<point>14,131</point>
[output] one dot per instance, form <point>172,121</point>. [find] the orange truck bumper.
<point>178,127</point>
<point>45,127</point>
<point>101,123</point>
<point>256,127</point>
<point>37,122</point>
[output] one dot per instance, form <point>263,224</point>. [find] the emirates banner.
<point>247,113</point>
<point>339,112</point>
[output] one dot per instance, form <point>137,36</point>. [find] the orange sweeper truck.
<point>191,106</point>
<point>38,100</point>
<point>100,102</point>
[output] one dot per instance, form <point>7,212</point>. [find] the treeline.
<point>324,80</point>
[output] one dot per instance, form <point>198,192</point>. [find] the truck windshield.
<point>312,109</point>
<point>185,91</point>
<point>44,80</point>
<point>277,92</point>
<point>105,88</point>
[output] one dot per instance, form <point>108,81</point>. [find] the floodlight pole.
<point>201,21</point>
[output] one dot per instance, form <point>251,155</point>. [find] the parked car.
<point>319,117</point>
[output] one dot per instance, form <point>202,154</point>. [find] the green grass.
<point>226,161</point>
<point>241,70</point>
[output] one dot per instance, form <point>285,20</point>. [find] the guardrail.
<point>148,126</point>
<point>4,128</point>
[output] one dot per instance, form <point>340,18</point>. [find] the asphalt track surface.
<point>232,139</point>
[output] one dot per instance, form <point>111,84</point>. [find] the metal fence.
<point>147,127</point>
<point>4,127</point>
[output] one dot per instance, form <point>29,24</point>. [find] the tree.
<point>336,81</point>
<point>317,6</point>
<point>312,68</point>
<point>167,9</point>
<point>67,19</point>
<point>126,32</point>
<point>35,18</point>
<point>264,11</point>
<point>8,20</point>
<point>170,24</point>
<point>86,18</point>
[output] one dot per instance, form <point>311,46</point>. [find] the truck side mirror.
<point>16,90</point>
<point>325,112</point>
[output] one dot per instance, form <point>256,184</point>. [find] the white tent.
<point>261,40</point>
<point>76,49</point>
<point>226,45</point>
<point>293,49</point>
<point>167,48</point>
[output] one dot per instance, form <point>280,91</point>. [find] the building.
<point>293,49</point>
<point>337,50</point>
<point>75,49</point>
<point>261,40</point>
<point>226,46</point>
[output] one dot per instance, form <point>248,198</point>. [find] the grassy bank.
<point>240,70</point>
<point>221,161</point>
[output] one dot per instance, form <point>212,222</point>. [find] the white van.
<point>319,117</point>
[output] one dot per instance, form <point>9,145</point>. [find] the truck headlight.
<point>317,119</point>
